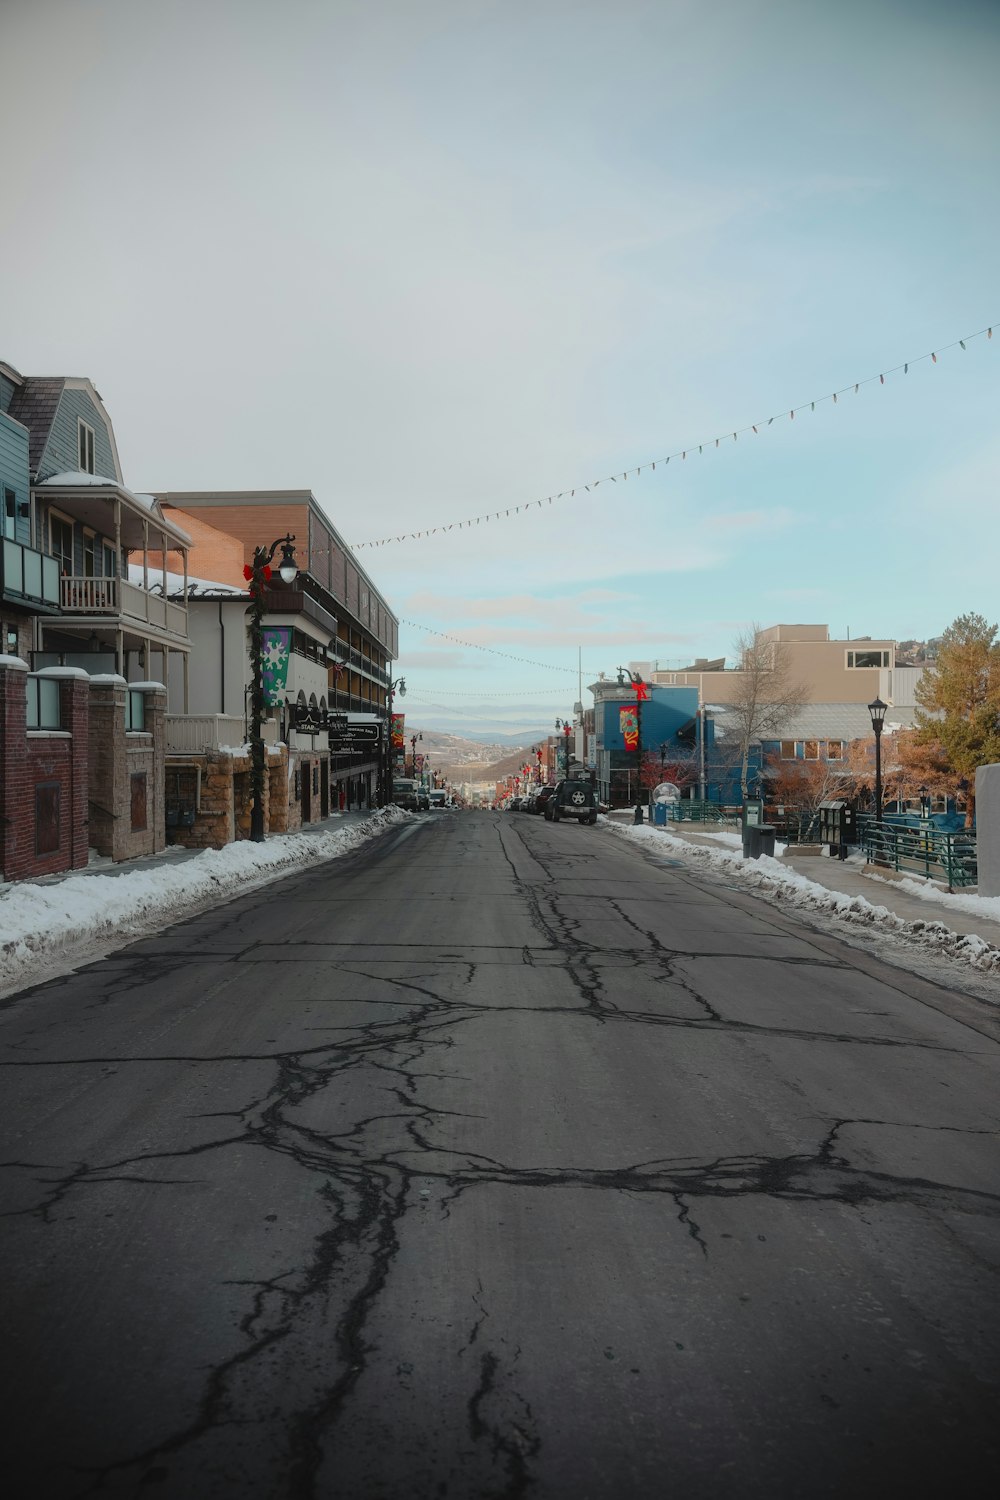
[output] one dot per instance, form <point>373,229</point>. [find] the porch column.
<point>145,564</point>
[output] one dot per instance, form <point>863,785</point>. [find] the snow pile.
<point>41,924</point>
<point>771,879</point>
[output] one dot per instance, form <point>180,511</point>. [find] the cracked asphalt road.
<point>498,1160</point>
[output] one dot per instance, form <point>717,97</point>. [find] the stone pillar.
<point>108,764</point>
<point>74,709</point>
<point>988,829</point>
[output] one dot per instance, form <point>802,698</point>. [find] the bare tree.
<point>766,696</point>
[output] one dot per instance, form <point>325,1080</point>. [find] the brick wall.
<point>43,778</point>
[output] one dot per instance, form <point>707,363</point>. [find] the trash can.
<point>757,840</point>
<point>660,814</point>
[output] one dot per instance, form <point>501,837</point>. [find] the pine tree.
<point>959,700</point>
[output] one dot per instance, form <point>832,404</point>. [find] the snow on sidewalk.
<point>775,880</point>
<point>83,916</point>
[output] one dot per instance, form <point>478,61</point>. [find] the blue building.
<point>676,738</point>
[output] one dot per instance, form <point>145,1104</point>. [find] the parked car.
<point>514,805</point>
<point>528,801</point>
<point>572,799</point>
<point>542,798</point>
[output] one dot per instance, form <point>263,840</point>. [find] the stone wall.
<point>208,797</point>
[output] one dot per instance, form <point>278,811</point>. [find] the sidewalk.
<point>176,854</point>
<point>910,898</point>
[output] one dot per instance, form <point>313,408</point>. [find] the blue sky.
<point>439,260</point>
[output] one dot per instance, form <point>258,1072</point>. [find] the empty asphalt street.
<point>499,1159</point>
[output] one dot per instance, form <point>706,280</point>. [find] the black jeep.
<point>572,799</point>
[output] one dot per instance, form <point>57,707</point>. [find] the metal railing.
<point>30,573</point>
<point>950,857</point>
<point>692,810</point>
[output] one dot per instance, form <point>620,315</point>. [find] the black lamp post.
<point>640,686</point>
<point>878,712</point>
<point>413,754</point>
<point>400,683</point>
<point>663,758</point>
<point>258,574</point>
<point>567,729</point>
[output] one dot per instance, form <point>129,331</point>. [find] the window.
<point>43,703</point>
<point>810,750</point>
<point>89,554</point>
<point>867,659</point>
<point>788,749</point>
<point>110,570</point>
<point>86,442</point>
<point>834,749</point>
<point>61,543</point>
<point>135,711</point>
<point>9,511</point>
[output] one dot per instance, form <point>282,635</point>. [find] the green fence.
<point>950,857</point>
<point>690,810</point>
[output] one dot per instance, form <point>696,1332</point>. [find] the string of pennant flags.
<point>681,454</point>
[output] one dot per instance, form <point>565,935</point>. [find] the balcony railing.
<point>32,575</point>
<point>192,734</point>
<point>116,598</point>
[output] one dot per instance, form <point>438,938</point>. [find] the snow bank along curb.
<point>773,880</point>
<point>46,922</point>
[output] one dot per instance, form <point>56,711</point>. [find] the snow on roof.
<point>175,582</point>
<point>80,479</point>
<point>79,476</point>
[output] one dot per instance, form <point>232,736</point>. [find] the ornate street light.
<point>877,710</point>
<point>258,574</point>
<point>641,694</point>
<point>400,684</point>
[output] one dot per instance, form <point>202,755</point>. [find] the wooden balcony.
<point>116,601</point>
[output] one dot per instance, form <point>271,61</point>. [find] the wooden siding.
<point>14,473</point>
<point>7,389</point>
<point>62,449</point>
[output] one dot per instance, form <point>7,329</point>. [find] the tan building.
<point>830,671</point>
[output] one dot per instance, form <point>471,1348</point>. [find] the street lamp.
<point>567,728</point>
<point>641,694</point>
<point>877,710</point>
<point>258,574</point>
<point>413,753</point>
<point>394,683</point>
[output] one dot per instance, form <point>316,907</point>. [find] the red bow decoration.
<point>642,692</point>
